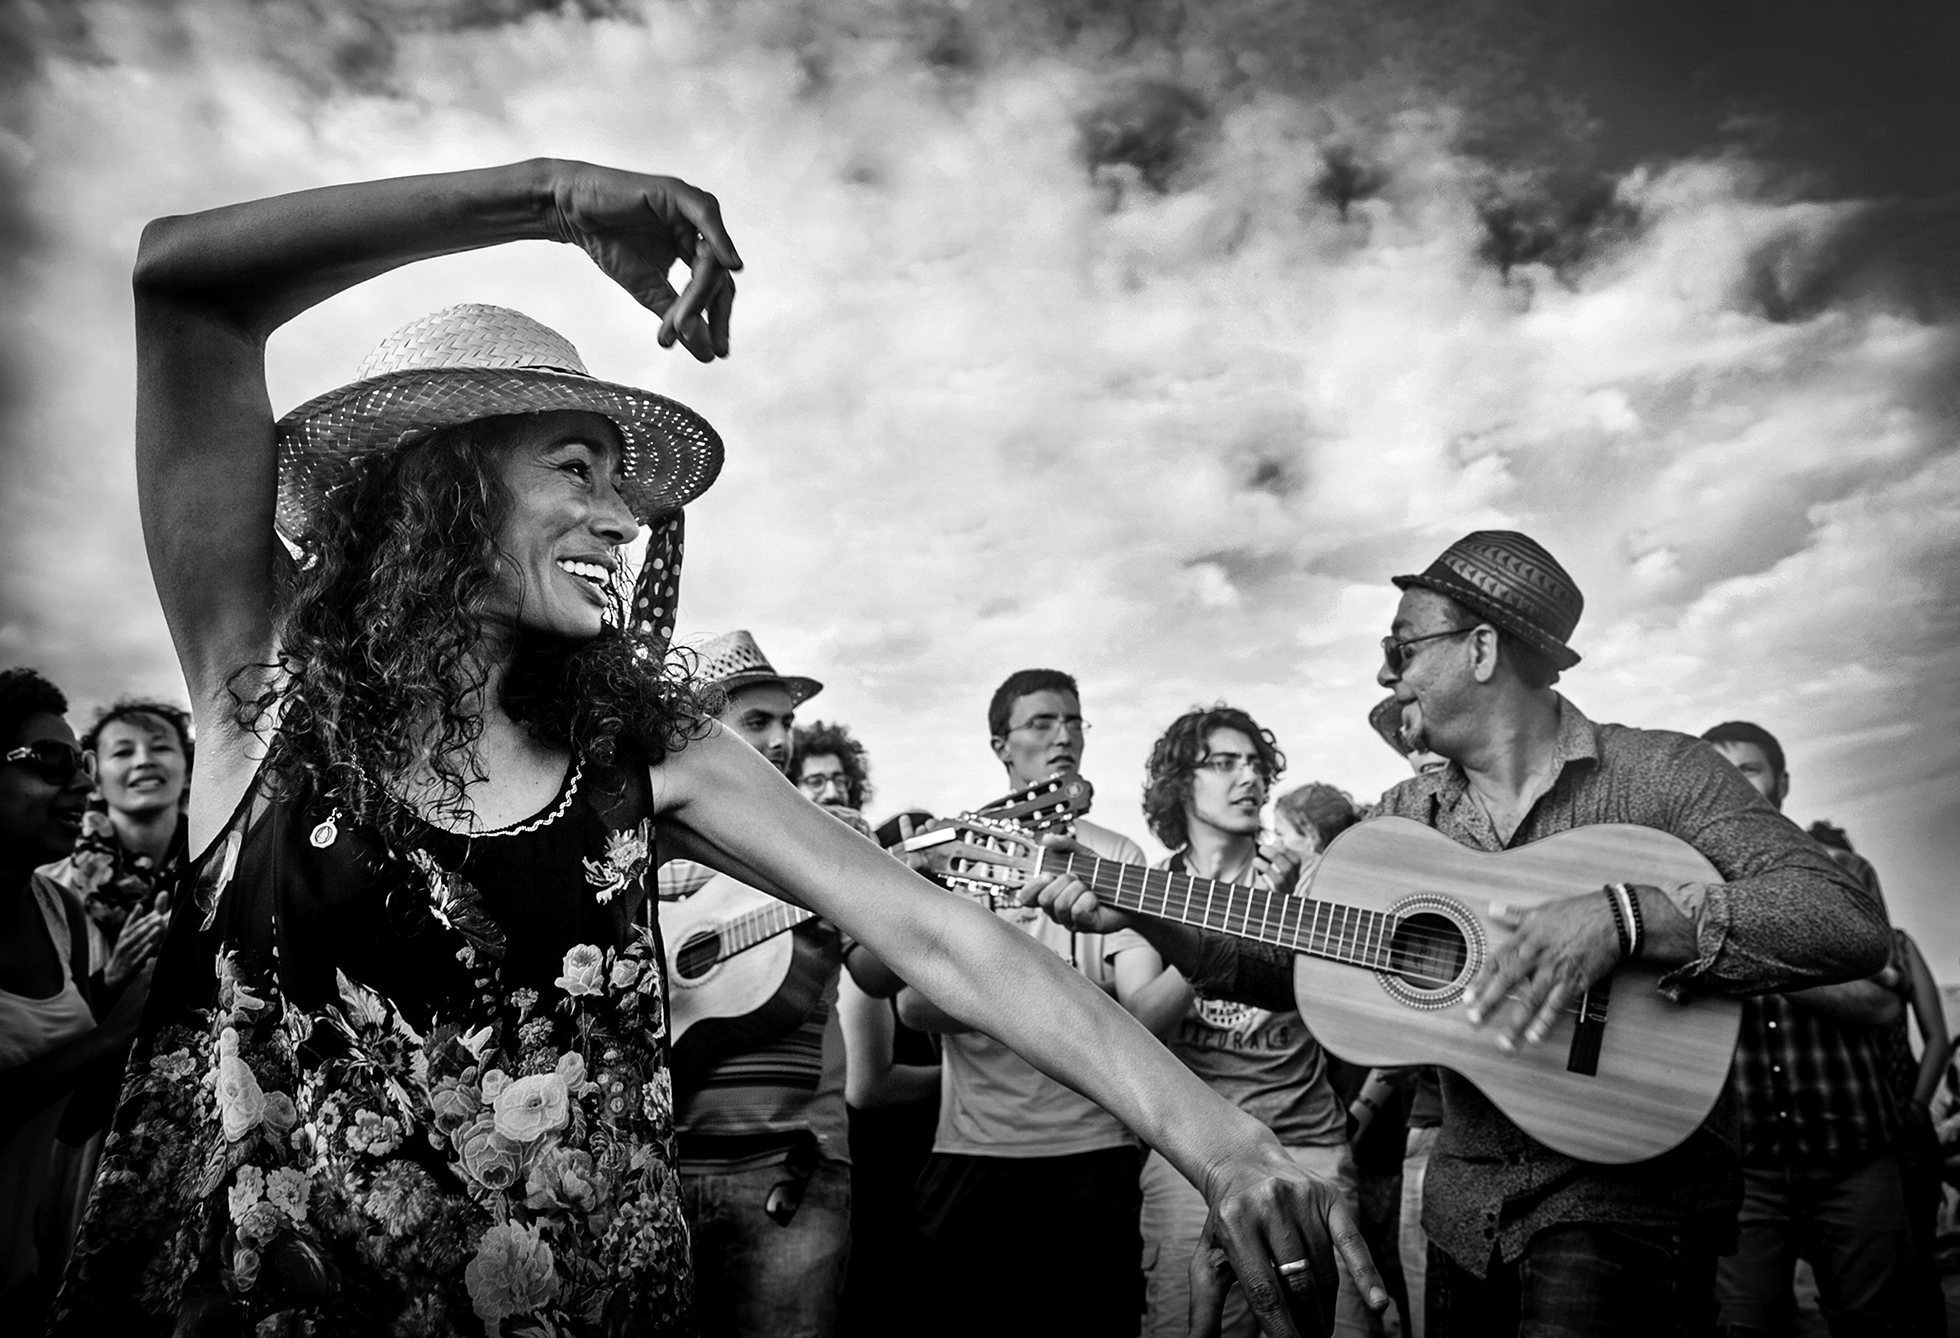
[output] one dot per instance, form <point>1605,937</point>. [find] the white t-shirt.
<point>992,1102</point>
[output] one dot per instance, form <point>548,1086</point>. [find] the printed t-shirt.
<point>784,1086</point>
<point>992,1102</point>
<point>1264,1062</point>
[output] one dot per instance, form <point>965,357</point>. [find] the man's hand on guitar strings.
<point>1558,949</point>
<point>1066,899</point>
<point>1275,867</point>
<point>1280,1218</point>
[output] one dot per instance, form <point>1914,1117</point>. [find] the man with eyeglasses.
<point>1204,788</point>
<point>1018,1157</point>
<point>1523,1238</point>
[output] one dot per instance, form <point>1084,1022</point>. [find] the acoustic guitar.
<point>730,955</point>
<point>1390,928</point>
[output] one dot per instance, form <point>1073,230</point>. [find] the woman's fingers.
<point>703,210</point>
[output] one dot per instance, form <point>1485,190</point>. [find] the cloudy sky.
<point>1142,341</point>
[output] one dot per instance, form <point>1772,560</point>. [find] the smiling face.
<point>1228,786</point>
<point>823,778</point>
<point>1044,737</point>
<point>565,523</point>
<point>140,765</point>
<point>39,819</point>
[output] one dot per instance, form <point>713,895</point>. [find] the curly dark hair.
<point>1167,775</point>
<point>24,692</point>
<point>127,708</point>
<point>379,635</point>
<point>818,739</point>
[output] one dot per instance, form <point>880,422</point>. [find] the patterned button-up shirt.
<point>1785,916</point>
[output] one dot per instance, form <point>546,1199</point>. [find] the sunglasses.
<point>55,763</point>
<point>1398,654</point>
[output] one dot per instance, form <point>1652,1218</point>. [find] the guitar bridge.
<point>1590,1031</point>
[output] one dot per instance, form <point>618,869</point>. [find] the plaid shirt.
<point>1813,1091</point>
<point>1785,916</point>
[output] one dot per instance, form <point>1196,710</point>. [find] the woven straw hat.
<point>1511,580</point>
<point>477,361</point>
<point>732,660</point>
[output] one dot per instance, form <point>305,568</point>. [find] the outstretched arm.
<point>210,288</point>
<point>721,801</point>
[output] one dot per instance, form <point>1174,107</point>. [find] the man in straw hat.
<point>760,1122</point>
<point>1524,1238</point>
<point>439,754</point>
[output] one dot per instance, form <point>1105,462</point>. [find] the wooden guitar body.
<point>722,1002</point>
<point>1660,1065</point>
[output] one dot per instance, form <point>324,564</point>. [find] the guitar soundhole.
<point>697,956</point>
<point>1428,952</point>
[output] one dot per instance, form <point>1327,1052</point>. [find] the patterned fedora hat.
<point>477,361</point>
<point>1510,580</point>
<point>732,660</point>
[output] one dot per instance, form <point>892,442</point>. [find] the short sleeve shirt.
<point>993,1103</point>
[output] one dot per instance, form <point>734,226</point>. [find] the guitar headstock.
<point>1046,806</point>
<point>981,856</point>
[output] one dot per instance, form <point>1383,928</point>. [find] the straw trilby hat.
<point>732,660</point>
<point>477,361</point>
<point>1509,579</point>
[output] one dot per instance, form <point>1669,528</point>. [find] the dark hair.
<point>1024,683</point>
<point>127,708</point>
<point>1742,731</point>
<point>1828,833</point>
<point>818,739</point>
<point>1325,810</point>
<point>23,692</point>
<point>379,634</point>
<point>1167,775</point>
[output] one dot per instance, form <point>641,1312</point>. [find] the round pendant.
<point>326,833</point>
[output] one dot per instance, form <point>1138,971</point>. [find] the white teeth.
<point>586,571</point>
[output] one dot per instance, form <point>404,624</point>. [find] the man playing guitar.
<point>1524,1238</point>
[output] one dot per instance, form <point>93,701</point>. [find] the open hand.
<point>635,227</point>
<point>141,936</point>
<point>1558,950</point>
<point>1267,1214</point>
<point>1067,899</point>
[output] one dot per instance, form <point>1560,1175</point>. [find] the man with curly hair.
<point>1204,786</point>
<point>829,766</point>
<point>1012,1142</point>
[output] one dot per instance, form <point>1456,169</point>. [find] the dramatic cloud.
<point>1143,341</point>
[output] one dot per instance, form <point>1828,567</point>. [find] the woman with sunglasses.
<point>49,1040</point>
<point>405,1065</point>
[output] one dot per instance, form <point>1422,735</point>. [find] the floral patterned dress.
<point>402,1092</point>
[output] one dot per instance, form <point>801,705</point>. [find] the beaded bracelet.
<point>1619,922</point>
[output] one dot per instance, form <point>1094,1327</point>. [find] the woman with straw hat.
<point>404,1066</point>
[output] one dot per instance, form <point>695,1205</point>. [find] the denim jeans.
<point>1174,1217</point>
<point>1415,1241</point>
<point>1850,1223</point>
<point>754,1278</point>
<point>1615,1282</point>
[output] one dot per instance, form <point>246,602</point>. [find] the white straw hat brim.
<point>671,454</point>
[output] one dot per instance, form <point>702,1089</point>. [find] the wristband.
<point>1636,925</point>
<point>1619,922</point>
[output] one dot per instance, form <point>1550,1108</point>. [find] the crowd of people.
<point>505,967</point>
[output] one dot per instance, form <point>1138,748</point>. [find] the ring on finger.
<point>1293,1268</point>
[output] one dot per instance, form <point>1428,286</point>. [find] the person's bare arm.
<point>1155,995</point>
<point>1929,1011</point>
<point>725,802</point>
<point>210,289</point>
<point>872,1079</point>
<point>1862,1003</point>
<point>922,1014</point>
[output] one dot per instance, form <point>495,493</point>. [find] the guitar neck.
<point>753,927</point>
<point>1326,929</point>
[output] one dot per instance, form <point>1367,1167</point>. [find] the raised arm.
<point>210,288</point>
<point>721,803</point>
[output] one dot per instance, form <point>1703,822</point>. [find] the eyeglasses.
<point>816,782</point>
<point>1048,726</point>
<point>55,763</point>
<point>1231,764</point>
<point>1397,652</point>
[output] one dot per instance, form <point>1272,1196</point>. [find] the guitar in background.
<point>730,952</point>
<point>1391,927</point>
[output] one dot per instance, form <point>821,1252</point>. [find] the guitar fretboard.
<point>752,927</point>
<point>1351,934</point>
